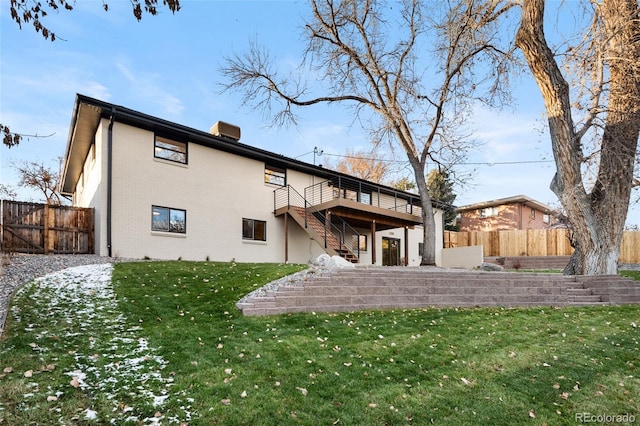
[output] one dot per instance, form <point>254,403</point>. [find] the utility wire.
<point>488,163</point>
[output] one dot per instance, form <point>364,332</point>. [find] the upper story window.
<point>488,212</point>
<point>353,195</point>
<point>365,197</point>
<point>168,220</point>
<point>533,214</point>
<point>171,150</point>
<point>275,175</point>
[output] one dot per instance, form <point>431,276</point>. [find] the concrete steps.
<point>407,288</point>
<point>530,262</point>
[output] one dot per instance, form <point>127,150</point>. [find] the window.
<point>275,175</point>
<point>168,220</point>
<point>362,242</point>
<point>348,194</point>
<point>365,198</point>
<point>533,214</point>
<point>254,230</point>
<point>167,149</point>
<point>488,212</point>
<point>546,218</point>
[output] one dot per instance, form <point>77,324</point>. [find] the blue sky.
<point>168,66</point>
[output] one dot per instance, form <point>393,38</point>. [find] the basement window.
<point>166,219</point>
<point>255,230</point>
<point>167,149</point>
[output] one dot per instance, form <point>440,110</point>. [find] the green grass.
<point>631,274</point>
<point>442,366</point>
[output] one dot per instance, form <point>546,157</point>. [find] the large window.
<point>275,175</point>
<point>170,150</point>
<point>168,220</point>
<point>254,230</point>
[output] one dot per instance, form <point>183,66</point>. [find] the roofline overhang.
<point>508,200</point>
<point>132,117</point>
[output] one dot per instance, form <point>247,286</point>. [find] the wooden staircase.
<point>347,290</point>
<point>316,231</point>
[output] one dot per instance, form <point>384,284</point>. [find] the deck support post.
<point>373,242</point>
<point>286,238</point>
<point>406,246</point>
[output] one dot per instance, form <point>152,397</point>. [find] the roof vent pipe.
<point>225,130</point>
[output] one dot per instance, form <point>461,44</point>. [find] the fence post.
<point>45,236</point>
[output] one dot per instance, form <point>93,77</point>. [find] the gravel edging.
<point>19,269</point>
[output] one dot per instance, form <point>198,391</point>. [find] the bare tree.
<point>7,192</point>
<point>362,165</point>
<point>37,176</point>
<point>403,184</point>
<point>412,64</point>
<point>593,110</point>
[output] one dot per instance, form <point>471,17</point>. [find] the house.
<point>166,191</point>
<point>512,213</point>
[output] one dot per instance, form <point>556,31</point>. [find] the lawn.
<point>165,344</point>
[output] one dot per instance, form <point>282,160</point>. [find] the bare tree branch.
<point>364,53</point>
<point>36,175</point>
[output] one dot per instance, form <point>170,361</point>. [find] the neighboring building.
<point>166,191</point>
<point>512,213</point>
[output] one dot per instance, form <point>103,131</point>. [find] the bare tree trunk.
<point>597,217</point>
<point>428,221</point>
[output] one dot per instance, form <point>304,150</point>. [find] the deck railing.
<point>347,237</point>
<point>369,194</point>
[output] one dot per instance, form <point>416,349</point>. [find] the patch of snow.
<point>83,297</point>
<point>90,414</point>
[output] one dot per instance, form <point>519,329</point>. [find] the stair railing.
<point>348,238</point>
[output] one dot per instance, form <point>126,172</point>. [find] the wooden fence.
<point>44,229</point>
<point>534,242</point>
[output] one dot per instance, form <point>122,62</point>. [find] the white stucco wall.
<point>91,189</point>
<point>216,189</point>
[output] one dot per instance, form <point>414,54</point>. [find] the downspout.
<point>109,174</point>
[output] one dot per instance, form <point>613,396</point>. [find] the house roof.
<point>88,112</point>
<point>522,199</point>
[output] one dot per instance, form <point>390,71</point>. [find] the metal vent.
<point>225,130</point>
